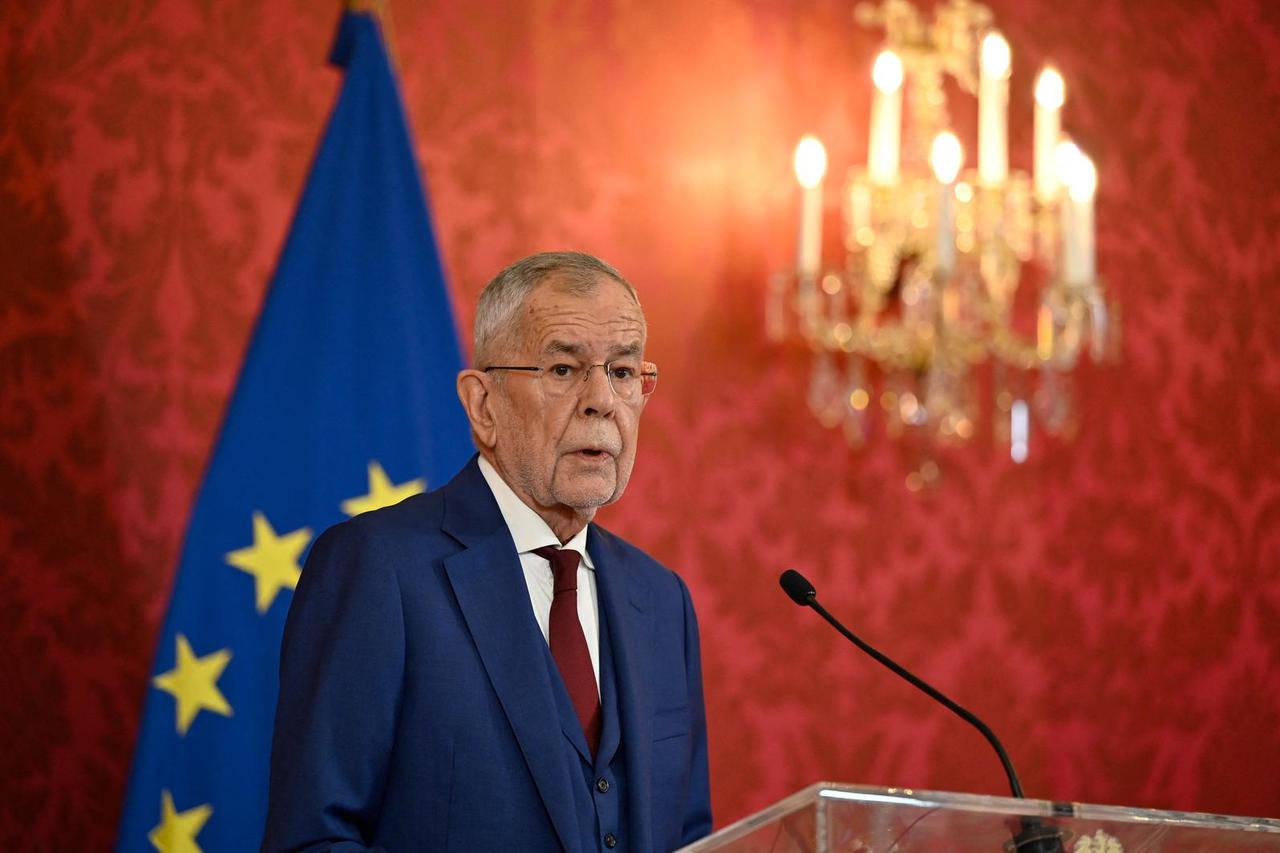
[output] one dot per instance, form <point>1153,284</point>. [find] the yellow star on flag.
<point>194,684</point>
<point>382,492</point>
<point>178,830</point>
<point>271,559</point>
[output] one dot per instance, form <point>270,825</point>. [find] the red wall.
<point>1112,606</point>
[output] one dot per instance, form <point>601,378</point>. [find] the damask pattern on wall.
<point>1112,606</point>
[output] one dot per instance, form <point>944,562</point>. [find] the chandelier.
<point>948,269</point>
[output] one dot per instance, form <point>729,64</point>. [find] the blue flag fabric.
<point>345,402</point>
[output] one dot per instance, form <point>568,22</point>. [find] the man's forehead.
<point>557,313</point>
<point>556,287</point>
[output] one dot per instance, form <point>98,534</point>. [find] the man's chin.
<point>586,493</point>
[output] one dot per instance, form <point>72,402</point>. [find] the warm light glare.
<point>995,55</point>
<point>1084,179</point>
<point>1075,171</point>
<point>811,161</point>
<point>1065,157</point>
<point>1044,333</point>
<point>946,156</point>
<point>1051,91</point>
<point>909,407</point>
<point>886,73</point>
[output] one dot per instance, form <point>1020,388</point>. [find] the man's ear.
<point>475,392</point>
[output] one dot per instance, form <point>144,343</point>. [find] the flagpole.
<point>381,11</point>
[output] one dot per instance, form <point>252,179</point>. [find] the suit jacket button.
<point>610,841</point>
<point>602,785</point>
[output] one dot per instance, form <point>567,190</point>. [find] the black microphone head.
<point>798,587</point>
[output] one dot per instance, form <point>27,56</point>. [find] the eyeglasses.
<point>630,380</point>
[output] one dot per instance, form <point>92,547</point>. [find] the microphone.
<point>801,591</point>
<point>1034,836</point>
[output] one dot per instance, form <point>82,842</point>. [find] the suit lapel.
<point>490,588</point>
<point>625,602</point>
<point>611,727</point>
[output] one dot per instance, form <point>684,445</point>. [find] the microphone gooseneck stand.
<point>1034,836</point>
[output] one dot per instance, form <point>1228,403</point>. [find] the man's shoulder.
<point>419,515</point>
<point>398,528</point>
<point>414,515</point>
<point>610,548</point>
<point>614,546</point>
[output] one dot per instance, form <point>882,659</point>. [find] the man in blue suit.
<point>481,667</point>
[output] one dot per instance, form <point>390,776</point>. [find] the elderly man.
<point>481,667</point>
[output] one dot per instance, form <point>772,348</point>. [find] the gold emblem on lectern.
<point>1099,842</point>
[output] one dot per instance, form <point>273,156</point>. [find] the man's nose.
<point>597,397</point>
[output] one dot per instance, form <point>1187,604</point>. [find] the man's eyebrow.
<point>557,347</point>
<point>632,348</point>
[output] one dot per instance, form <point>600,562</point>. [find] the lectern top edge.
<point>828,816</point>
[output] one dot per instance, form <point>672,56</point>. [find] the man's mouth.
<point>592,453</point>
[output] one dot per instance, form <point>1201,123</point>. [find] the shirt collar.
<point>528,529</point>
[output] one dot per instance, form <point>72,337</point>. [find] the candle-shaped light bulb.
<point>996,56</point>
<point>1084,179</point>
<point>1050,94</point>
<point>810,161</point>
<point>946,156</point>
<point>886,73</point>
<point>1051,91</point>
<point>888,76</point>
<point>1081,190</point>
<point>811,167</point>
<point>1065,155</point>
<point>993,110</point>
<point>1078,174</point>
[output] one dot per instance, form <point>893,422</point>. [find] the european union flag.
<point>345,403</point>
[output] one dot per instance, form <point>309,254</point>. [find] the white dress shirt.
<point>529,532</point>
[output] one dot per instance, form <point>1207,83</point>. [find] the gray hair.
<point>497,313</point>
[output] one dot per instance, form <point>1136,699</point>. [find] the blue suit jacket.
<point>418,712</point>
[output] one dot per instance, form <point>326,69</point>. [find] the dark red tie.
<point>569,644</point>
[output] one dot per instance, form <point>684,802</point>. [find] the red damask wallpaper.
<point>1112,606</point>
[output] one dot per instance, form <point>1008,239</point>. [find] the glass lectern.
<point>828,818</point>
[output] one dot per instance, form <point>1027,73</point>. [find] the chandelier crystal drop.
<point>947,255</point>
